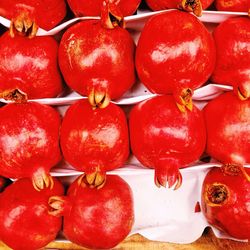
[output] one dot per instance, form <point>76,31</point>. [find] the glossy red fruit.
<point>94,141</point>
<point>29,142</point>
<point>232,5</point>
<point>228,135</point>
<point>175,54</point>
<point>225,200</point>
<point>97,62</point>
<point>232,40</point>
<point>26,15</point>
<point>29,65</point>
<point>156,5</point>
<point>96,218</point>
<point>93,8</point>
<point>166,139</point>
<point>25,220</point>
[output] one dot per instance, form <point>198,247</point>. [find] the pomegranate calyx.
<point>216,194</point>
<point>184,99</point>
<point>194,6</point>
<point>111,16</point>
<point>98,99</point>
<point>23,25</point>
<point>243,96</point>
<point>93,180</point>
<point>14,95</point>
<point>58,205</point>
<point>41,180</point>
<point>167,171</point>
<point>234,170</point>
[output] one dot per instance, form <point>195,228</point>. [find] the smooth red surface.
<point>232,5</point>
<point>46,13</point>
<point>232,39</point>
<point>172,4</point>
<point>29,139</point>
<point>161,135</point>
<point>30,65</point>
<point>232,217</point>
<point>99,218</point>
<point>93,7</point>
<point>175,50</point>
<point>228,134</point>
<point>92,57</point>
<point>94,140</point>
<point>24,219</point>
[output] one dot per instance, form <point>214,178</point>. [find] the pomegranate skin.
<point>29,140</point>
<point>175,52</point>
<point>232,40</point>
<point>24,219</point>
<point>227,121</point>
<point>232,5</point>
<point>93,58</point>
<point>169,139</point>
<point>156,5</point>
<point>93,8</point>
<point>98,218</point>
<point>225,200</point>
<point>46,13</point>
<point>94,140</point>
<point>30,65</point>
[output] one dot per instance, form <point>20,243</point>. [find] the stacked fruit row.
<point>175,55</point>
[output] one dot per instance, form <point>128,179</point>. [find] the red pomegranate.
<point>25,222</point>
<point>228,136</point>
<point>94,141</point>
<point>27,15</point>
<point>175,54</point>
<point>29,142</point>
<point>232,40</point>
<point>29,65</point>
<point>93,8</point>
<point>166,139</point>
<point>97,62</point>
<point>195,6</point>
<point>96,218</point>
<point>232,5</point>
<point>225,200</point>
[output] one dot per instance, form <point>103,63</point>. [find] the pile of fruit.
<point>98,59</point>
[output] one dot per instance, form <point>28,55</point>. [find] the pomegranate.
<point>29,65</point>
<point>4,183</point>
<point>93,8</point>
<point>232,39</point>
<point>175,54</point>
<point>232,5</point>
<point>25,222</point>
<point>29,142</point>
<point>169,140</point>
<point>96,61</point>
<point>195,6</point>
<point>225,200</point>
<point>94,141</point>
<point>27,15</point>
<point>96,218</point>
<point>228,136</point>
